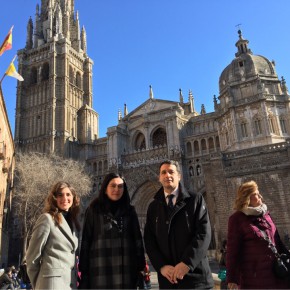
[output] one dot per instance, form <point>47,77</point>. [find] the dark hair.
<point>171,162</point>
<point>53,210</point>
<point>101,200</point>
<point>7,270</point>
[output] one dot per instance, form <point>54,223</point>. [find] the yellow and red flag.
<point>7,43</point>
<point>11,71</point>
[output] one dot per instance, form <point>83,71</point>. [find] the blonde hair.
<point>244,193</point>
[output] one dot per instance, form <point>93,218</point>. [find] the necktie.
<point>170,202</point>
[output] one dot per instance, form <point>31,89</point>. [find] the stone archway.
<point>141,199</point>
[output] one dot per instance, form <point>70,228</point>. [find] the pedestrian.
<point>51,253</point>
<point>249,258</point>
<point>178,233</point>
<point>112,252</point>
<point>6,281</point>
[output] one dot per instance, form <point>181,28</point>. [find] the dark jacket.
<point>182,236</point>
<point>5,280</point>
<point>112,251</point>
<point>249,259</point>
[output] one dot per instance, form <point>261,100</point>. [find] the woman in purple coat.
<point>249,259</point>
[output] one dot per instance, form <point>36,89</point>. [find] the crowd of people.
<point>113,254</point>
<point>12,278</point>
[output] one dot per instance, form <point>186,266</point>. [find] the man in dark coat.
<point>177,236</point>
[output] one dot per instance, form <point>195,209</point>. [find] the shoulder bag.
<point>281,265</point>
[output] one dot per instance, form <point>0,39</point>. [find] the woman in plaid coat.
<point>112,252</point>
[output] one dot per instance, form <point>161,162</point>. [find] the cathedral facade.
<point>246,137</point>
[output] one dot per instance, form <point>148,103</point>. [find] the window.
<point>140,143</point>
<point>283,125</point>
<point>33,76</point>
<point>159,137</point>
<point>188,148</point>
<point>271,125</point>
<point>258,127</point>
<point>244,130</point>
<point>45,72</point>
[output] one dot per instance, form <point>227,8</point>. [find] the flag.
<point>7,43</point>
<point>11,71</point>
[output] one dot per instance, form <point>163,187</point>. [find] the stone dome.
<point>246,66</point>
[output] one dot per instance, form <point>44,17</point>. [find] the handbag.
<point>281,265</point>
<point>222,274</point>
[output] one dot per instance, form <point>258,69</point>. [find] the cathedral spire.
<point>84,40</point>
<point>125,110</point>
<point>151,96</point>
<point>191,101</point>
<point>180,96</point>
<point>284,86</point>
<point>202,112</point>
<point>29,37</point>
<point>242,45</point>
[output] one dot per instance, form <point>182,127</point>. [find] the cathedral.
<point>247,137</point>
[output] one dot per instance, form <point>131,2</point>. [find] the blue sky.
<point>169,44</point>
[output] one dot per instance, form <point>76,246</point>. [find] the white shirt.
<point>175,193</point>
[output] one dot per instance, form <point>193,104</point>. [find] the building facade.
<point>246,137</point>
<point>7,164</point>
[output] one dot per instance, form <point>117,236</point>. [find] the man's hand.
<point>179,271</point>
<point>167,272</point>
<point>233,286</point>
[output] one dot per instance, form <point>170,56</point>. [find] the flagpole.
<point>2,78</point>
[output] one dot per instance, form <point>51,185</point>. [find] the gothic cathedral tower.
<point>54,104</point>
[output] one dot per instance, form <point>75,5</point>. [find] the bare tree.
<point>35,173</point>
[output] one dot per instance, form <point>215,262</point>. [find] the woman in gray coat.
<point>51,252</point>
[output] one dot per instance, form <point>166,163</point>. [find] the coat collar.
<point>182,194</point>
<point>67,232</point>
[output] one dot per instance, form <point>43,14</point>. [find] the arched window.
<point>283,125</point>
<point>45,72</point>
<point>33,76</point>
<point>211,144</point>
<point>217,142</point>
<point>244,129</point>
<point>203,146</point>
<point>196,147</point>
<point>140,142</point>
<point>159,137</point>
<point>258,127</point>
<point>188,148</point>
<point>100,168</point>
<point>271,124</point>
<point>227,138</point>
<point>71,75</point>
<point>78,80</point>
